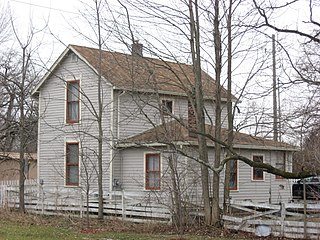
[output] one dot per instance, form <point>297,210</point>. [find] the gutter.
<point>118,113</point>
<point>165,93</point>
<point>195,143</point>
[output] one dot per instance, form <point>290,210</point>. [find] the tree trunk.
<point>179,217</point>
<point>99,118</point>
<point>200,119</point>
<point>226,196</point>
<point>22,133</point>
<point>216,177</point>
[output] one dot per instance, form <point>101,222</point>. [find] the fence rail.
<point>284,220</point>
<point>60,200</point>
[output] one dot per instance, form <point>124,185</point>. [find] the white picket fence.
<point>284,220</point>
<point>60,200</point>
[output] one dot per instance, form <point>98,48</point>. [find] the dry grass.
<point>113,228</point>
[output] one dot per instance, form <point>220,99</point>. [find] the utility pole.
<point>274,76</point>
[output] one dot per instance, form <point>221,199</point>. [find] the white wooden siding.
<point>54,132</point>
<point>131,108</point>
<point>190,177</point>
<point>210,113</point>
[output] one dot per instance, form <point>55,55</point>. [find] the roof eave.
<point>57,62</point>
<point>164,93</point>
<point>35,91</point>
<point>195,143</point>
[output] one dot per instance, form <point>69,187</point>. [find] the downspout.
<point>38,142</point>
<point>270,181</point>
<point>111,143</point>
<point>112,140</point>
<point>118,112</point>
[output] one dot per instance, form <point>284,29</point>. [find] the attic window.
<point>167,106</point>
<point>74,58</point>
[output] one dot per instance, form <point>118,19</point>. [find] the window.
<point>281,164</point>
<point>72,101</point>
<point>152,171</point>
<point>167,107</point>
<point>257,172</point>
<point>72,164</point>
<point>233,184</point>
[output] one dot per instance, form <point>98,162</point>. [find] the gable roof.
<point>143,74</point>
<point>175,132</point>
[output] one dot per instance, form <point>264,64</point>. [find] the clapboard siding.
<point>189,173</point>
<point>54,133</point>
<point>133,109</point>
<point>261,191</point>
<point>139,112</point>
<point>210,113</point>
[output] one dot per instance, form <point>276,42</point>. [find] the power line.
<point>45,7</point>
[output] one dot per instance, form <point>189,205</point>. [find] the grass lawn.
<point>10,230</point>
<point>17,226</point>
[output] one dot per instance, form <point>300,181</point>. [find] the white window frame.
<point>284,159</point>
<point>167,99</point>
<point>252,168</point>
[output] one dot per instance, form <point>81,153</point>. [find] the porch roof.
<point>176,132</point>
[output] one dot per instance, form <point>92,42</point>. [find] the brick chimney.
<point>136,48</point>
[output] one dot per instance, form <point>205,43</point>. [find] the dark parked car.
<point>312,188</point>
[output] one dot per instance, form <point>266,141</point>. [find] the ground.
<point>16,226</point>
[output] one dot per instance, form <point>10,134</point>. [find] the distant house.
<point>140,97</point>
<point>10,165</point>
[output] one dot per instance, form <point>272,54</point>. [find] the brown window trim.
<point>67,105</point>
<point>71,164</point>
<point>146,171</point>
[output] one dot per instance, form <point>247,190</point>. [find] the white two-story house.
<point>144,100</point>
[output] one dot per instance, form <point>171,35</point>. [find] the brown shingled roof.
<point>175,132</point>
<point>130,72</point>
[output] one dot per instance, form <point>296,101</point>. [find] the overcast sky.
<point>61,15</point>
<point>57,14</point>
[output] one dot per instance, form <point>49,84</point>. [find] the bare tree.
<point>26,78</point>
<point>161,12</point>
<point>5,29</point>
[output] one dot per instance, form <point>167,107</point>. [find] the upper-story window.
<point>152,171</point>
<point>72,164</point>
<point>167,106</point>
<point>281,164</point>
<point>73,97</point>
<point>257,173</point>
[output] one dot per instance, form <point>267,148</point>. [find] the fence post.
<point>282,218</point>
<point>123,203</point>
<point>81,203</point>
<point>42,199</point>
<point>1,195</point>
